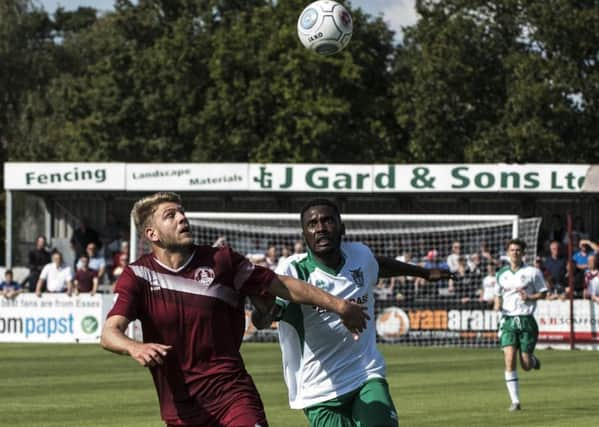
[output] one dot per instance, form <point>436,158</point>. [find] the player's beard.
<point>174,244</point>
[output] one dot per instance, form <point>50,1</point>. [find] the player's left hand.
<point>435,274</point>
<point>354,317</point>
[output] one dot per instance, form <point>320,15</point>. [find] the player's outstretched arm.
<point>389,267</point>
<point>353,315</point>
<point>114,339</point>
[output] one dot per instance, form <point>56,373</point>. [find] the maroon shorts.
<point>241,406</point>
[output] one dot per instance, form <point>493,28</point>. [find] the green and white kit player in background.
<point>517,290</point>
<point>336,378</point>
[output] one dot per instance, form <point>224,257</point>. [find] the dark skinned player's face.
<point>322,230</point>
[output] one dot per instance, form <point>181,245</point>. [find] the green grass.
<point>82,385</point>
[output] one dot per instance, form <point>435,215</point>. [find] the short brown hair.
<point>145,207</point>
<point>516,241</point>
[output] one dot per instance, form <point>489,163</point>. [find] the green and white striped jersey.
<point>508,286</point>
<point>321,360</point>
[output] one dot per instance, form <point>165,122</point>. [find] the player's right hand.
<point>149,354</point>
<point>354,317</point>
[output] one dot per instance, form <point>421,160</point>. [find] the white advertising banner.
<point>554,321</point>
<point>64,176</point>
<point>302,177</point>
<point>51,318</point>
<point>418,178</point>
<point>187,176</point>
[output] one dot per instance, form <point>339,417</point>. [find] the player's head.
<point>515,250</point>
<point>321,226</point>
<point>161,219</point>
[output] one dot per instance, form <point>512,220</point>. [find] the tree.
<point>271,100</point>
<point>499,81</point>
<point>211,81</point>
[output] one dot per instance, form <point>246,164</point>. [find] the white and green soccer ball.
<point>325,27</point>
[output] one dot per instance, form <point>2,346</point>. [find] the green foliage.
<point>497,81</point>
<point>213,80</point>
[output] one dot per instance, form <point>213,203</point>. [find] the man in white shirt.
<point>57,276</point>
<point>592,290</point>
<point>517,290</point>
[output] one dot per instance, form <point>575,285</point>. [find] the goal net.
<point>408,309</point>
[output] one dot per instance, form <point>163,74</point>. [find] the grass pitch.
<point>82,385</point>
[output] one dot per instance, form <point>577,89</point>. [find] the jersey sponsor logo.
<point>325,286</point>
<point>358,276</point>
<point>204,275</point>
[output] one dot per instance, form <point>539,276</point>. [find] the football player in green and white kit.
<point>517,290</point>
<point>336,378</point>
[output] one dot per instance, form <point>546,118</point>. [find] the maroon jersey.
<point>197,309</point>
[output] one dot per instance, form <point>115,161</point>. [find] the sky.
<point>396,13</point>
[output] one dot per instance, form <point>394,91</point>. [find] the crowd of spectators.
<point>101,257</point>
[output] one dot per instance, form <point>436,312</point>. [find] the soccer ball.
<point>325,27</point>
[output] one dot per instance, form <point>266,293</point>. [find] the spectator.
<point>117,270</point>
<point>57,276</point>
<point>38,258</point>
<point>432,262</point>
<point>475,265</point>
<point>454,257</point>
<point>82,236</point>
<point>553,292</point>
<point>86,279</point>
<point>466,283</point>
<point>405,285</point>
<point>486,256</point>
<point>285,253</point>
<point>555,265</point>
<point>9,288</point>
<point>96,261</point>
<point>270,257</point>
<point>487,292</point>
<point>581,260</point>
<point>124,249</point>
<point>592,291</point>
<point>592,270</point>
<point>581,256</point>
<point>298,247</point>
<point>384,290</point>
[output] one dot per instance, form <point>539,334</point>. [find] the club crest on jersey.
<point>358,277</point>
<point>204,275</point>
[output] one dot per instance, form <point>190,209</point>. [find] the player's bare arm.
<point>114,339</point>
<point>389,267</point>
<point>352,315</point>
<point>497,303</point>
<point>262,315</point>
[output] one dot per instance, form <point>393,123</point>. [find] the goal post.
<point>408,310</point>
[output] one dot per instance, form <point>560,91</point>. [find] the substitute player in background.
<point>517,290</point>
<point>190,301</point>
<point>336,379</point>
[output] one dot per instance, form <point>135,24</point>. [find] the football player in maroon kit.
<point>190,301</point>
